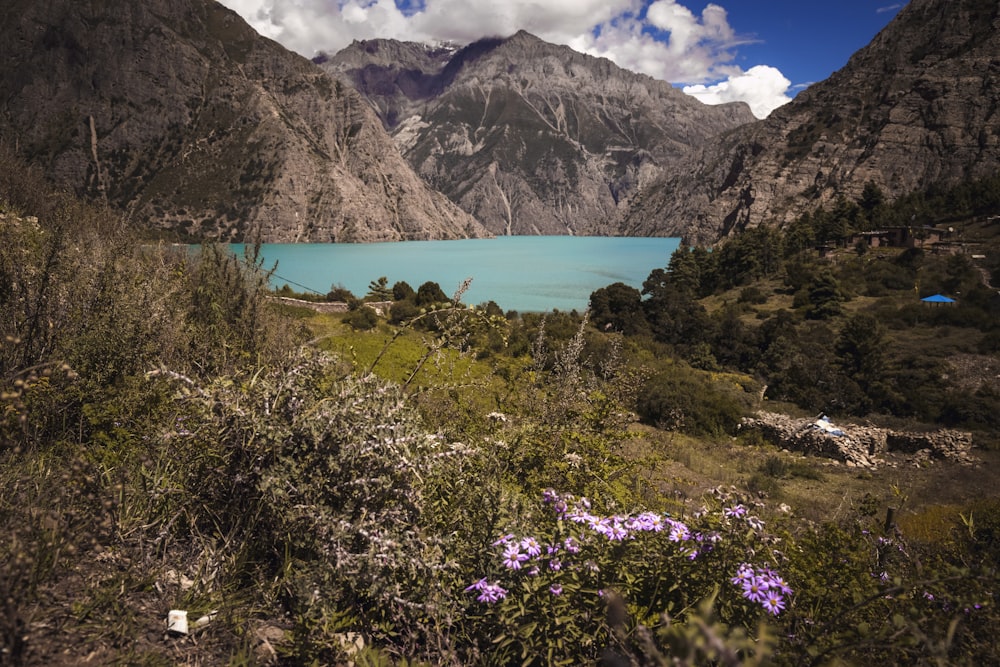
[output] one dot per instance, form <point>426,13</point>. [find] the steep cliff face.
<point>915,107</point>
<point>177,111</point>
<point>529,137</point>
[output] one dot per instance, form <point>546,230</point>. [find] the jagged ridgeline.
<point>182,115</point>
<point>917,107</point>
<point>530,137</point>
<point>178,112</point>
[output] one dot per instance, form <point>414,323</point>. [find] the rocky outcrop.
<point>917,106</point>
<point>860,445</point>
<point>179,113</point>
<point>527,136</point>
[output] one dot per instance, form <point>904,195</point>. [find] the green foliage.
<point>618,307</point>
<point>339,293</point>
<point>379,290</point>
<point>429,294</point>
<point>753,255</point>
<point>753,295</point>
<point>401,291</point>
<point>363,318</point>
<point>595,592</point>
<point>159,423</point>
<point>689,401</point>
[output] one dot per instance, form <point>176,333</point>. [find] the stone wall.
<point>319,307</point>
<point>861,445</point>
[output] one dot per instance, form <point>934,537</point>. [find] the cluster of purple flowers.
<point>518,553</point>
<point>615,528</point>
<point>739,511</point>
<point>763,586</point>
<point>488,593</point>
<point>760,585</point>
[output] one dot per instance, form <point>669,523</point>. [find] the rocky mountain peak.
<point>917,106</point>
<point>177,111</point>
<point>532,137</point>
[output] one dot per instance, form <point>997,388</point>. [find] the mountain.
<point>527,136</point>
<point>916,107</point>
<point>179,113</point>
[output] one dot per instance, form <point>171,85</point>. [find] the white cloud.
<point>666,41</point>
<point>764,88</point>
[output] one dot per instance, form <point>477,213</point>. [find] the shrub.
<point>688,401</point>
<point>363,318</point>
<point>316,486</point>
<point>752,294</point>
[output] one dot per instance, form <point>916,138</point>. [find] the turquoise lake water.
<point>523,273</point>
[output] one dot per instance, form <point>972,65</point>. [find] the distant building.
<point>900,237</point>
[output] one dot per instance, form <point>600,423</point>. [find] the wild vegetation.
<point>445,484</point>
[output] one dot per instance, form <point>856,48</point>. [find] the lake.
<point>522,273</point>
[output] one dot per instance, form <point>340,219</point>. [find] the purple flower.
<point>678,531</point>
<point>478,586</point>
<point>492,593</point>
<point>779,583</point>
<point>617,532</point>
<point>512,557</point>
<point>743,574</point>
<point>504,540</point>
<point>549,496</point>
<point>555,564</point>
<point>773,603</point>
<point>648,521</point>
<point>531,546</point>
<point>598,524</point>
<point>556,589</point>
<point>488,593</point>
<point>571,545</point>
<point>755,589</point>
<point>735,511</point>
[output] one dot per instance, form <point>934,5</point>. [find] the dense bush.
<point>363,318</point>
<point>690,401</point>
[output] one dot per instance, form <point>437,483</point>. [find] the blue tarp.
<point>937,298</point>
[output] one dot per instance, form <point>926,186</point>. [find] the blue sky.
<point>807,40</point>
<point>760,52</point>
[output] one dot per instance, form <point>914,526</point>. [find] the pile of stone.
<point>859,445</point>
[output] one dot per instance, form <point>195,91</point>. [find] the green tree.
<point>401,291</point>
<point>430,293</point>
<point>362,318</point>
<point>619,307</point>
<point>684,272</point>
<point>872,205</point>
<point>379,290</point>
<point>825,297</point>
<point>800,235</point>
<point>340,293</point>
<point>844,219</point>
<point>754,254</point>
<point>861,352</point>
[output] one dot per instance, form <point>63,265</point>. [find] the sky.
<point>762,52</point>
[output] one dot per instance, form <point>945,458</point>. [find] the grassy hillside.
<point>443,485</point>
